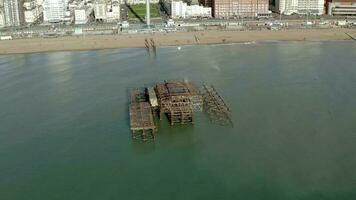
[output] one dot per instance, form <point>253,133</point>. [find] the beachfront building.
<point>2,17</point>
<point>108,12</point>
<point>240,8</point>
<point>133,2</point>
<point>32,11</point>
<point>33,15</point>
<point>29,4</point>
<point>54,11</point>
<point>80,16</point>
<point>206,3</point>
<point>288,7</point>
<point>13,12</point>
<point>342,8</point>
<point>315,7</point>
<point>39,2</point>
<point>100,10</point>
<point>113,13</point>
<point>180,9</point>
<point>82,11</point>
<point>2,20</point>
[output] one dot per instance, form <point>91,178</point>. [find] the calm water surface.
<point>64,129</point>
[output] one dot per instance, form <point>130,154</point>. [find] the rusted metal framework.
<point>141,118</point>
<point>137,96</point>
<point>215,106</point>
<point>195,97</point>
<point>178,99</point>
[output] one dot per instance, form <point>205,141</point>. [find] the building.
<point>82,13</point>
<point>198,11</point>
<point>29,5</point>
<point>206,3</point>
<point>32,11</point>
<point>288,7</point>
<point>132,2</point>
<point>39,2</point>
<point>180,9</point>
<point>240,8</point>
<point>32,15</point>
<point>113,14</point>
<point>342,8</point>
<point>2,17</point>
<point>80,16</point>
<point>108,12</point>
<point>13,12</point>
<point>100,10</point>
<point>314,7</point>
<point>2,20</point>
<point>54,11</point>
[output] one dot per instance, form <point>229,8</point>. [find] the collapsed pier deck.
<point>178,100</point>
<point>141,118</point>
<point>215,106</point>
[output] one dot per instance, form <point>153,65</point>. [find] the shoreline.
<point>97,42</point>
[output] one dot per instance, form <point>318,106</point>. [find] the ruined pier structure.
<point>214,105</point>
<point>141,118</point>
<point>178,100</point>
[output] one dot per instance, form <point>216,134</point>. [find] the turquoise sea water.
<point>64,129</point>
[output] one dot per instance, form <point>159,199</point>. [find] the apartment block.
<point>239,8</point>
<point>13,12</point>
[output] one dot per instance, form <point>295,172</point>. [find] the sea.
<point>65,134</point>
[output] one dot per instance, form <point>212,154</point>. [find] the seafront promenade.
<point>76,43</point>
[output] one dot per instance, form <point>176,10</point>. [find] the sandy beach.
<point>76,43</point>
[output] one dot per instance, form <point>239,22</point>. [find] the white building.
<point>289,7</point>
<point>180,9</point>
<point>81,16</point>
<point>100,11</point>
<point>139,1</point>
<point>315,7</point>
<point>32,15</point>
<point>28,5</point>
<point>39,2</point>
<point>2,20</point>
<point>286,7</point>
<point>114,13</point>
<point>13,13</point>
<point>54,10</point>
<point>32,11</point>
<point>198,11</point>
<point>107,12</point>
